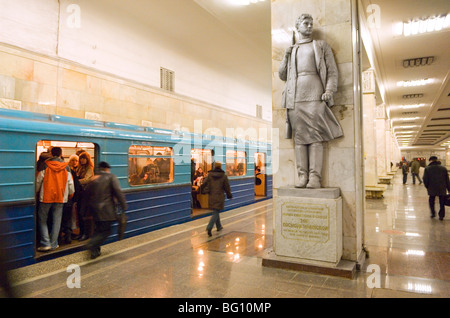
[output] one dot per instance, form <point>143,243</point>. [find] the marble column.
<point>335,22</point>
<point>370,141</point>
<point>389,145</point>
<point>381,126</point>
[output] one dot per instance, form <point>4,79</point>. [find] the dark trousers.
<point>405,176</point>
<point>102,230</point>
<point>5,283</point>
<point>431,200</point>
<point>215,219</point>
<point>414,175</point>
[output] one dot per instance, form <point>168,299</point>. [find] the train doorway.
<point>201,163</point>
<point>71,222</point>
<point>260,176</point>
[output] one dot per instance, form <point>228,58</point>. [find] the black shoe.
<point>75,237</point>
<point>96,253</point>
<point>209,233</point>
<point>220,229</point>
<point>432,215</point>
<point>441,218</point>
<point>84,237</point>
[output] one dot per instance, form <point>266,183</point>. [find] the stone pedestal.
<point>308,224</point>
<point>308,232</point>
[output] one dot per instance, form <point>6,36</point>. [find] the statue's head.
<point>304,24</point>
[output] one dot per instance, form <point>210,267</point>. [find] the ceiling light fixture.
<point>431,24</point>
<point>244,2</point>
<point>406,118</point>
<point>411,106</point>
<point>415,83</point>
<point>418,61</point>
<point>408,96</point>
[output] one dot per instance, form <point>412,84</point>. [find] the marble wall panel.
<point>7,87</point>
<point>45,73</point>
<point>332,23</point>
<point>37,83</point>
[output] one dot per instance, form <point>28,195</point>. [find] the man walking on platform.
<point>102,193</point>
<point>216,185</point>
<point>415,168</point>
<point>435,179</point>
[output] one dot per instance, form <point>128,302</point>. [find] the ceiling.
<point>415,127</point>
<point>217,32</point>
<point>239,38</point>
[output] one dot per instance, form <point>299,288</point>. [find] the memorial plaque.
<point>308,228</point>
<point>305,222</point>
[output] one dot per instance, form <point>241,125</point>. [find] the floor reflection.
<point>238,244</point>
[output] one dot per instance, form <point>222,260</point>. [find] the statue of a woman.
<point>311,76</point>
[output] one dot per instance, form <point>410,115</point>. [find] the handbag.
<point>447,200</point>
<point>122,220</point>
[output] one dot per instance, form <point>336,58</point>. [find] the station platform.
<point>181,261</point>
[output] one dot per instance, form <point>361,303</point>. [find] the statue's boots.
<point>315,151</point>
<point>301,158</point>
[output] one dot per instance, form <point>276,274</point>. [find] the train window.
<point>236,163</point>
<point>202,159</point>
<point>68,148</point>
<point>150,165</point>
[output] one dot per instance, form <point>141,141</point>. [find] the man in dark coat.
<point>435,179</point>
<point>103,192</point>
<point>216,185</point>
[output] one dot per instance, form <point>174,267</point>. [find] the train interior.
<point>236,165</point>
<point>69,148</point>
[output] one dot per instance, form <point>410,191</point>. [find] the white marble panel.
<point>308,228</point>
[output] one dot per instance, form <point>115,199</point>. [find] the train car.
<point>155,168</point>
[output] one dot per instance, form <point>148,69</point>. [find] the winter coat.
<point>55,183</point>
<point>216,185</point>
<point>435,179</point>
<point>326,69</point>
<point>102,194</point>
<point>405,168</point>
<point>415,166</point>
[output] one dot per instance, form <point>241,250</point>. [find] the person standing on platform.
<point>55,186</point>
<point>405,170</point>
<point>216,185</point>
<point>71,205</point>
<point>415,168</point>
<point>85,171</point>
<point>435,179</point>
<point>6,288</point>
<point>102,194</point>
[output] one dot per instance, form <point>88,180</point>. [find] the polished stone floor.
<point>410,250</point>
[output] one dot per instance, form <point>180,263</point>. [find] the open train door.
<point>260,175</point>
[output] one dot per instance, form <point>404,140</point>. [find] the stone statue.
<point>311,76</point>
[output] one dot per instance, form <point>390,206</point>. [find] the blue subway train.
<point>160,197</point>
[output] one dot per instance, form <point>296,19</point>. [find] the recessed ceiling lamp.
<point>406,118</point>
<point>420,26</point>
<point>244,2</point>
<point>411,106</point>
<point>415,83</point>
